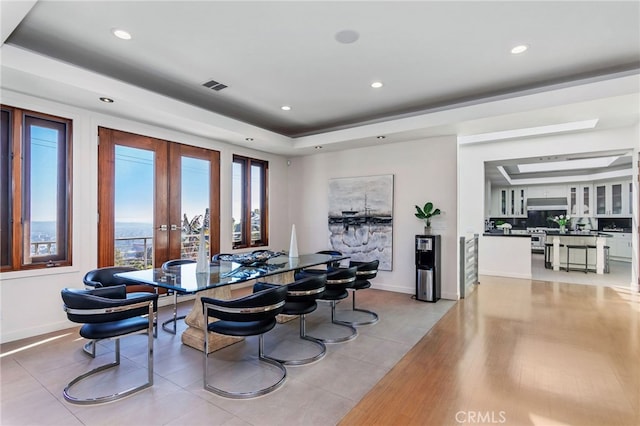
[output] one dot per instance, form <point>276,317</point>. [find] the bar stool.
<point>548,255</point>
<point>577,247</point>
<point>606,257</point>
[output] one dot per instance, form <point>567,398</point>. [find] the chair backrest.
<point>308,288</point>
<point>175,262</point>
<point>258,306</point>
<point>366,270</point>
<point>104,304</point>
<point>105,277</point>
<point>340,278</point>
<point>331,253</point>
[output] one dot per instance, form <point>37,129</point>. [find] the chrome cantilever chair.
<point>365,271</point>
<point>107,313</point>
<point>165,267</point>
<point>106,277</point>
<point>338,279</point>
<point>252,315</point>
<point>301,300</point>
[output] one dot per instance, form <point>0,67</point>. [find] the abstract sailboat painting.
<point>361,218</point>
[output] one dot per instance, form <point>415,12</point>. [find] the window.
<point>35,174</point>
<point>249,199</point>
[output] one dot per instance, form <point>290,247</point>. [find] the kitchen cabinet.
<point>613,199</point>
<point>580,198</point>
<point>509,202</point>
<point>546,191</point>
<point>620,246</point>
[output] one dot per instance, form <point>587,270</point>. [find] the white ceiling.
<point>446,66</point>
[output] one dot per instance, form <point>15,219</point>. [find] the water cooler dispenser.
<point>428,268</point>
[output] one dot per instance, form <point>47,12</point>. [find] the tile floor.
<point>34,372</point>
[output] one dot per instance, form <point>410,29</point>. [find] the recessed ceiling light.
<point>122,34</point>
<point>285,108</point>
<point>347,36</point>
<point>376,84</point>
<point>106,100</point>
<point>519,49</point>
<point>317,147</point>
<point>380,137</point>
<point>248,139</point>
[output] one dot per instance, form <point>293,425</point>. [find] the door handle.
<point>174,227</point>
<point>163,227</point>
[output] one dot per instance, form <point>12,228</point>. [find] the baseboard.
<point>412,291</point>
<point>506,274</point>
<point>36,331</point>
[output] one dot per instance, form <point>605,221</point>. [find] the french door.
<point>154,198</point>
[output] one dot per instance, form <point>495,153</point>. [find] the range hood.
<point>558,203</point>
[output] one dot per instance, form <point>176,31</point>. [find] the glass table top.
<point>185,279</point>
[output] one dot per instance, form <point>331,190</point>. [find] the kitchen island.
<point>505,255</point>
<point>595,251</point>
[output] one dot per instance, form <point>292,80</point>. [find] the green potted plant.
<point>426,213</point>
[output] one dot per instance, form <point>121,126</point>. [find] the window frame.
<point>245,235</point>
<point>18,206</point>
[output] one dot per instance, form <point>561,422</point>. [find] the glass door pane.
<point>586,201</point>
<point>195,190</point>
<point>600,200</point>
<point>616,199</point>
<point>134,207</point>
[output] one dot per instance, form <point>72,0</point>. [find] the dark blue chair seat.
<point>115,328</point>
<point>249,328</point>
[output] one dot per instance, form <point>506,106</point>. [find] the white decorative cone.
<point>293,247</point>
<point>203,260</point>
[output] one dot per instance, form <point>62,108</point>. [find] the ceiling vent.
<point>214,85</point>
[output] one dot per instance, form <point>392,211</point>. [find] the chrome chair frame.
<point>122,394</point>
<point>368,274</point>
<point>292,294</point>
<point>276,308</point>
<point>176,317</point>
<point>333,302</point>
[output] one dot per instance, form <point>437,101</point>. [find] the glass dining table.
<point>217,283</point>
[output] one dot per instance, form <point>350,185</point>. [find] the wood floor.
<point>519,352</point>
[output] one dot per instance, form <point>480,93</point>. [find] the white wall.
<point>473,156</point>
<point>30,302</point>
<point>424,170</point>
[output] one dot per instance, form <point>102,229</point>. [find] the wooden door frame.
<point>166,165</point>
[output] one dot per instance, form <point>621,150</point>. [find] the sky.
<point>44,172</point>
<point>134,182</point>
